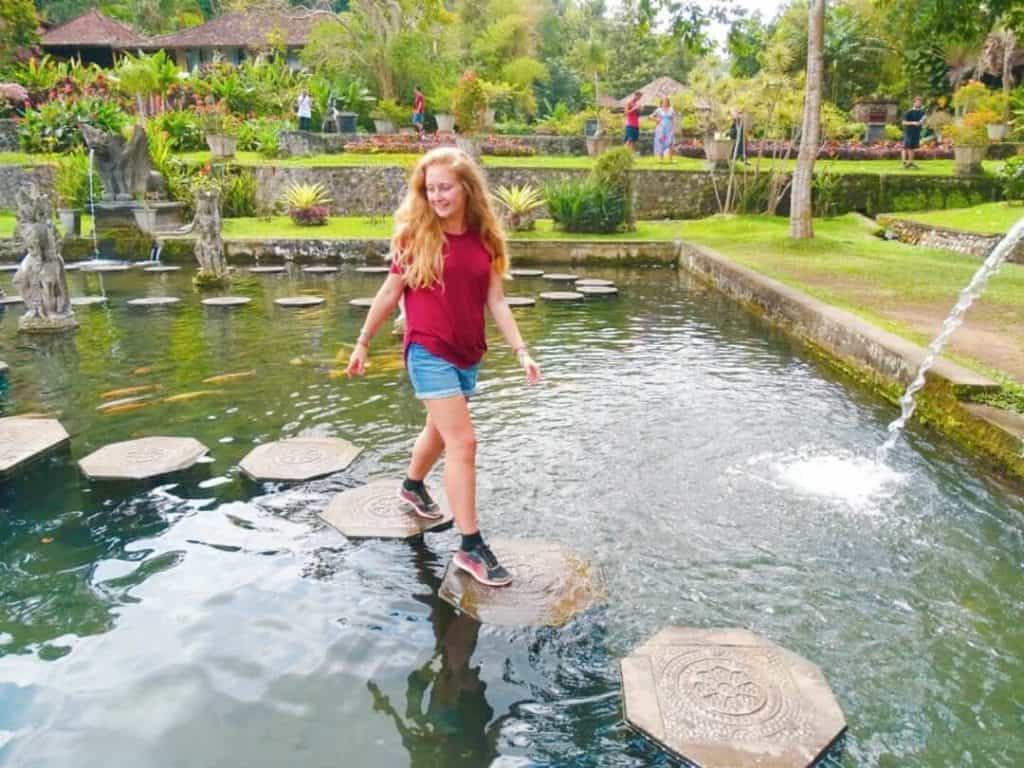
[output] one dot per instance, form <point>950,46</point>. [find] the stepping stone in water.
<point>722,698</point>
<point>299,301</point>
<point>597,290</point>
<point>70,266</point>
<point>584,281</point>
<point>226,301</point>
<point>3,368</point>
<point>154,301</point>
<point>361,302</point>
<point>10,300</point>
<point>299,458</point>
<point>106,267</point>
<point>526,272</point>
<point>373,270</point>
<point>374,511</point>
<point>319,270</point>
<point>9,267</point>
<point>561,296</point>
<point>142,458</point>
<point>520,301</point>
<point>550,585</point>
<point>88,301</point>
<point>560,277</point>
<point>270,270</point>
<point>162,268</point>
<point>23,439</point>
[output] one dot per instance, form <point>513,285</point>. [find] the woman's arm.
<point>384,303</point>
<point>506,323</point>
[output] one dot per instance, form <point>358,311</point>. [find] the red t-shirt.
<point>417,103</point>
<point>633,114</point>
<point>448,317</point>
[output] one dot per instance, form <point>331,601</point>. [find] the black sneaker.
<point>421,502</point>
<point>482,565</point>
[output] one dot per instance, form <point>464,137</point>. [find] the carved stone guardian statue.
<point>40,277</point>
<point>209,249</point>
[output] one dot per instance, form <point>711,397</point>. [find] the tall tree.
<point>801,225</point>
<point>18,24</point>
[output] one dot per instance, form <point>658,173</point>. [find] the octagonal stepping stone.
<point>597,290</point>
<point>269,270</point>
<point>226,301</point>
<point>550,585</point>
<point>374,511</point>
<point>721,698</point>
<point>589,281</point>
<point>319,270</point>
<point>299,301</point>
<point>526,272</point>
<point>106,267</point>
<point>154,301</point>
<point>24,439</point>
<point>10,300</point>
<point>520,301</point>
<point>560,277</point>
<point>561,295</point>
<point>88,301</point>
<point>8,267</point>
<point>143,458</point>
<point>361,302</point>
<point>162,268</point>
<point>71,266</point>
<point>299,458</point>
<point>373,270</point>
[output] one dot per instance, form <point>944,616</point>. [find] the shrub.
<point>71,180</point>
<point>970,132</point>
<point>261,135</point>
<point>53,127</point>
<point>307,203</point>
<point>389,109</point>
<point>582,206</point>
<point>182,128</point>
<point>238,193</point>
<point>613,171</point>
<point>970,96</point>
<point>469,103</point>
<point>520,204</point>
<point>893,132</point>
<point>1011,173</point>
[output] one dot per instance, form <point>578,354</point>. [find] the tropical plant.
<point>182,127</point>
<point>307,204</point>
<point>613,171</point>
<point>71,179</point>
<point>937,121</point>
<point>217,119</point>
<point>520,204</point>
<point>469,103</point>
<point>1011,173</point>
<point>261,135</point>
<point>391,110</point>
<point>582,206</point>
<point>970,96</point>
<point>971,131</point>
<point>54,126</point>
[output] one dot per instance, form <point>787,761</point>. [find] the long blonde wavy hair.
<point>418,239</point>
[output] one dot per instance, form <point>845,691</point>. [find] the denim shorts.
<point>632,133</point>
<point>434,377</point>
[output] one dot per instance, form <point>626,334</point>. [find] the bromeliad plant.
<point>307,204</point>
<point>520,204</point>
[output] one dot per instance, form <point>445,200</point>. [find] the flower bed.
<point>412,144</point>
<point>832,150</point>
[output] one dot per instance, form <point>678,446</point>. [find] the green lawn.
<point>989,218</point>
<point>905,289</point>
<point>6,224</point>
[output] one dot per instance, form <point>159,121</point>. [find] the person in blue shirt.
<point>912,122</point>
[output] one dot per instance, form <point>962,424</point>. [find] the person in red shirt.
<point>633,120</point>
<point>418,104</point>
<point>448,263</point>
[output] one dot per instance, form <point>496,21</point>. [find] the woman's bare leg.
<point>425,452</point>
<point>450,417</point>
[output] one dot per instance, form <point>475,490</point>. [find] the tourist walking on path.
<point>738,134</point>
<point>665,131</point>
<point>912,122</point>
<point>304,110</point>
<point>418,105</point>
<point>633,120</point>
<point>448,263</point>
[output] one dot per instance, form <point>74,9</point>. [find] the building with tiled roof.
<point>91,37</point>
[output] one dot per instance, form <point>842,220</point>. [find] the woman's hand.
<point>531,368</point>
<point>357,361</point>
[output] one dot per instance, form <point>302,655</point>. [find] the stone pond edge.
<point>880,359</point>
<point>978,244</point>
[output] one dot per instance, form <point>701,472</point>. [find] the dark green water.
<point>677,442</point>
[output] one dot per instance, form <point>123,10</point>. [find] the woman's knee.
<point>461,445</point>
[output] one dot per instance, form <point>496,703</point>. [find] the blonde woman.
<point>448,263</point>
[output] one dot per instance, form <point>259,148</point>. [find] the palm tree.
<point>801,226</point>
<point>593,56</point>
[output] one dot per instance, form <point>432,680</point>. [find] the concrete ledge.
<point>960,241</point>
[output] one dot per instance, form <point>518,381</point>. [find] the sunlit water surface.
<point>716,472</point>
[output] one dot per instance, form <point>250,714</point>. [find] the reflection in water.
<point>447,719</point>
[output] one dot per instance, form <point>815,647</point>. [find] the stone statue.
<point>213,270</point>
<point>40,277</point>
<point>124,167</point>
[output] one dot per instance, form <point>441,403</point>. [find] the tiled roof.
<point>243,29</point>
<point>93,29</point>
<point>652,92</point>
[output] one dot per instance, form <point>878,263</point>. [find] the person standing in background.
<point>738,134</point>
<point>912,122</point>
<point>418,104</point>
<point>304,110</point>
<point>633,120</point>
<point>665,132</point>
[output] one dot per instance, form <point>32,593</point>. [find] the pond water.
<point>704,460</point>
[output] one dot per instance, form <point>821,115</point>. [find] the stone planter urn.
<point>718,152</point>
<point>383,126</point>
<point>997,131</point>
<point>968,159</point>
<point>445,122</point>
<point>598,145</point>
<point>221,145</point>
<point>70,221</point>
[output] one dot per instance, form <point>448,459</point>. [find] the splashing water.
<point>855,480</point>
<point>953,321</point>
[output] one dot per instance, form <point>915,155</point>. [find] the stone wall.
<point>12,177</point>
<point>968,243</point>
<point>9,136</point>
<point>377,190</point>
